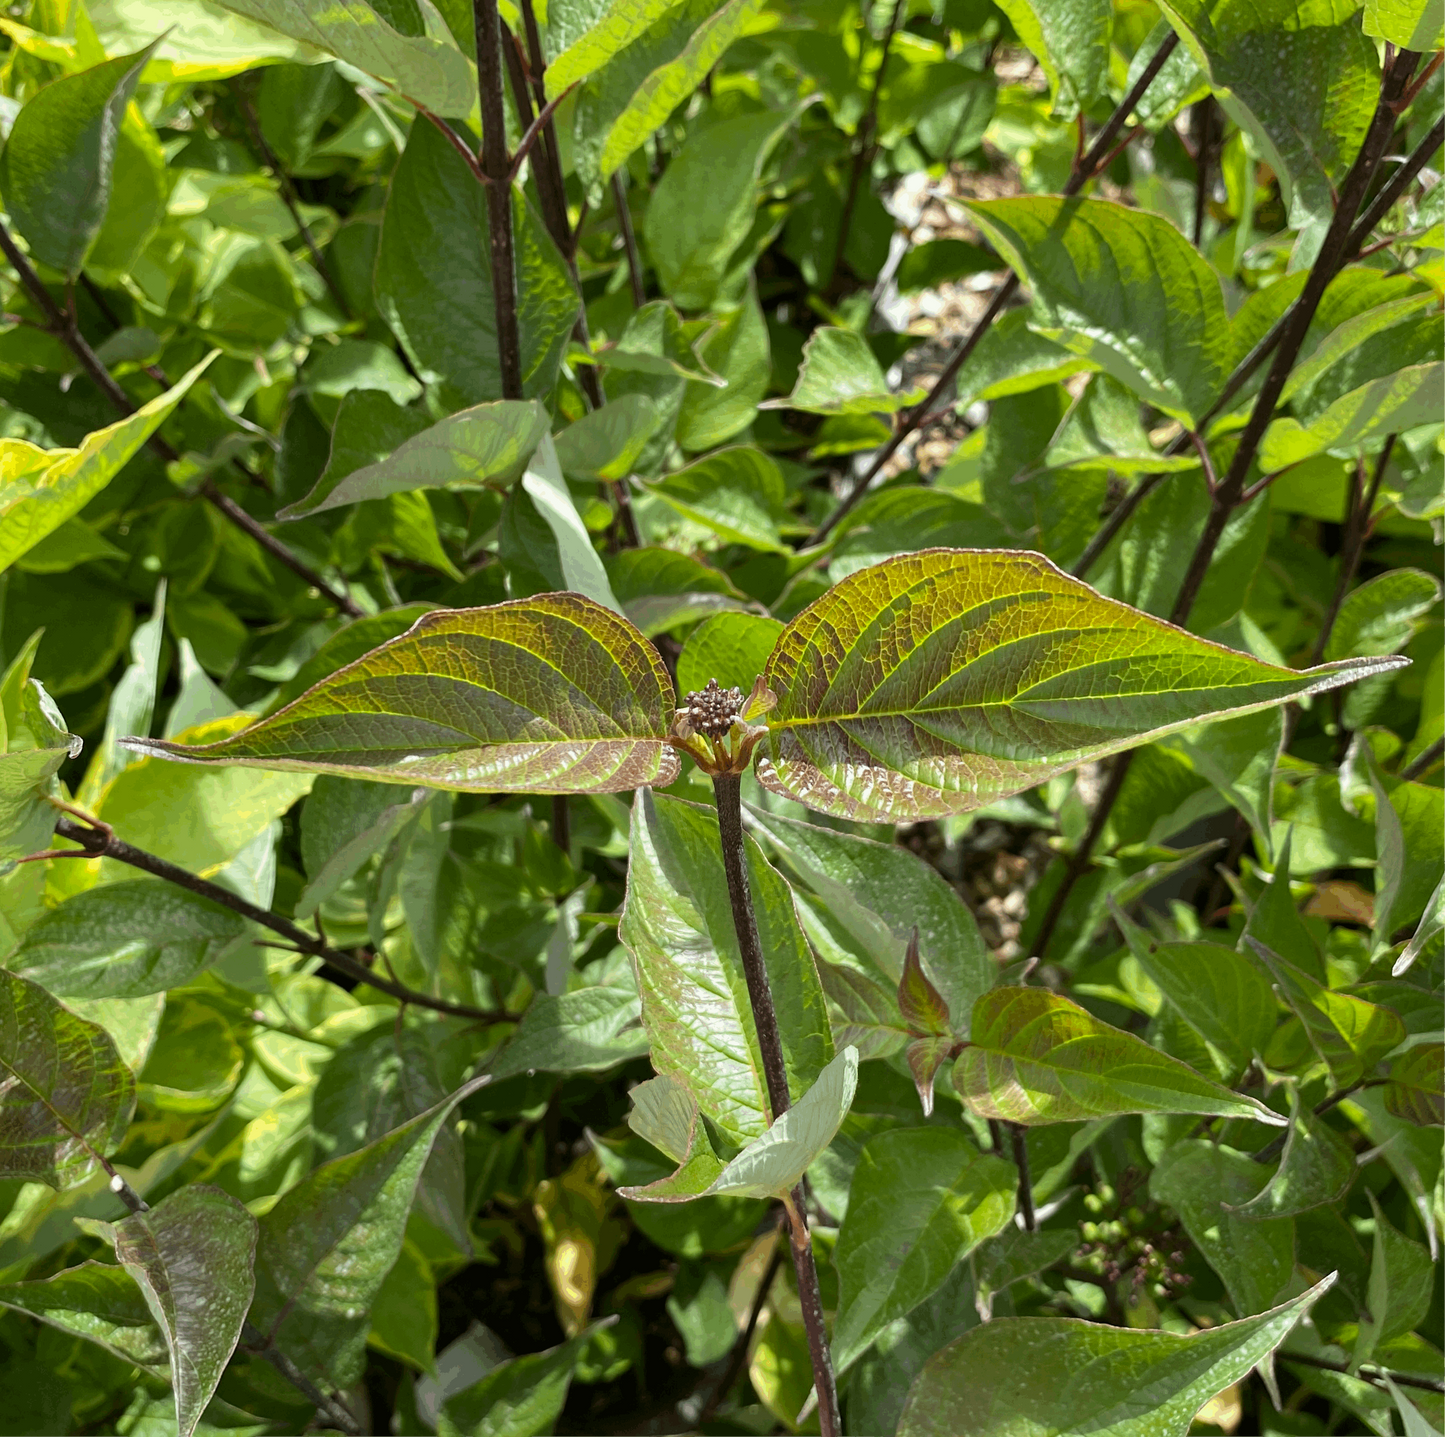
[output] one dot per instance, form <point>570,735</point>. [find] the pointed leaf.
<point>1070,39</point>
<point>97,1301</point>
<point>587,1031</point>
<point>1402,1281</point>
<point>521,1396</point>
<point>1317,1167</point>
<point>678,925</point>
<point>738,493</point>
<point>1275,919</point>
<point>425,68</point>
<point>36,745</point>
<point>1349,1034</point>
<point>1123,288</point>
<point>841,375</point>
<point>1416,1090</point>
<point>606,443</point>
<point>487,444</point>
<point>1409,834</point>
<point>57,164</point>
<point>582,569</point>
<point>588,33</point>
<point>1406,24</point>
<point>1431,923</point>
<point>125,940</point>
<point>937,682</point>
<point>920,1201</point>
<point>41,488</point>
<point>1057,1376</point>
<point>665,1114</point>
<point>920,1003</point>
<point>1035,1057</point>
<point>192,1258</point>
<point>472,699</point>
<point>65,1096</point>
<point>327,1245</point>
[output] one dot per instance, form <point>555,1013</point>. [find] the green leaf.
<point>606,443</point>
<point>1275,920</point>
<point>1317,1168</point>
<point>344,824</point>
<point>702,208</point>
<point>1056,1376</point>
<point>517,1398</point>
<point>1207,1185</point>
<point>442,310</point>
<point>1402,1281</point>
<point>1416,1090</point>
<point>330,1241</point>
<point>1379,616</point>
<point>35,747</point>
<point>586,1031</point>
<point>1349,1034</point>
<point>404,1315</point>
<point>731,648</point>
<point>841,375</point>
<point>739,352</point>
<point>678,925</point>
<point>877,894</point>
<point>42,488</point>
<point>1406,24</point>
<point>936,262</point>
<point>97,1301</point>
<point>938,682</point>
<point>771,1165</point>
<point>470,699</point>
<point>487,444</point>
<point>1409,824</point>
<point>1303,83</point>
<point>620,106</point>
<point>1070,39</point>
<point>57,164</point>
<point>897,520</point>
<point>586,34</point>
<point>582,569</point>
<point>65,1096</point>
<point>661,588</point>
<point>1238,757</point>
<point>920,1201</point>
<point>125,940</point>
<point>1124,289</point>
<point>737,493</point>
<point>1218,992</point>
<point>192,1256</point>
<point>1383,406</point>
<point>1034,1057</point>
<point>421,61</point>
<point>344,646</point>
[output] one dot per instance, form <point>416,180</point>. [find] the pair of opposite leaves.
<point>932,683</point>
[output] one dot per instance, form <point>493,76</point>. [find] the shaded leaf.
<point>606,443</point>
<point>36,744</point>
<point>738,493</point>
<point>1070,39</point>
<point>587,1031</point>
<point>1317,1167</point>
<point>1035,1057</point>
<point>65,1096</point>
<point>938,682</point>
<point>97,1301</point>
<point>920,1201</point>
<point>517,1398</point>
<point>469,699</point>
<point>1416,1090</point>
<point>841,375</point>
<point>1402,1281</point>
<point>731,648</point>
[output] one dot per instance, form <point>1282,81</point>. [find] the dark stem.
<point>1424,761</point>
<point>1026,1186</point>
<point>629,239</point>
<point>288,194</point>
<point>1120,516</point>
<point>1357,531</point>
<point>1079,862</point>
<point>332,1408</point>
<point>529,137</point>
<point>739,1354</point>
<point>538,69</point>
<point>64,327</point>
<point>1368,1373</point>
<point>561,823</point>
<point>728,789</point>
<point>1202,116</point>
<point>1398,183</point>
<point>101,843</point>
<point>1084,170</point>
<point>995,1133</point>
<point>863,146</point>
<point>496,166</point>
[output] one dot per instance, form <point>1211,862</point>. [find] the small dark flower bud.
<point>712,711</point>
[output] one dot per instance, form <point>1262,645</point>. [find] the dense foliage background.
<point>816,262</point>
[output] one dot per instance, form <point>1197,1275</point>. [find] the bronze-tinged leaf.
<point>1416,1090</point>
<point>552,694</point>
<point>937,682</point>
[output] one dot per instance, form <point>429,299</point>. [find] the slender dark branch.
<point>1357,530</point>
<point>288,194</point>
<point>1026,1185</point>
<point>1331,258</point>
<point>1200,448</point>
<point>1203,114</point>
<point>65,329</point>
<point>529,136</point>
<point>739,1354</point>
<point>1120,515</point>
<point>1367,1373</point>
<point>537,69</point>
<point>1421,80</point>
<point>329,1406</point>
<point>561,823</point>
<point>459,144</point>
<point>1425,760</point>
<point>100,842</point>
<point>863,144</point>
<point>1398,183</point>
<point>497,168</point>
<point>728,789</point>
<point>1084,170</point>
<point>629,239</point>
